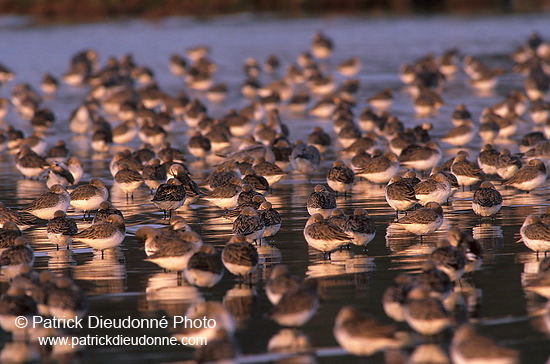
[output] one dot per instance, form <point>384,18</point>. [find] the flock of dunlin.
<point>250,152</point>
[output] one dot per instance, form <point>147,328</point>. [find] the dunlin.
<point>424,314</point>
<point>539,111</point>
<point>104,235</point>
<point>60,229</point>
<point>411,178</point>
<point>529,177</point>
<point>533,141</point>
<point>449,259</point>
<point>349,67</point>
<point>169,153</point>
<point>59,173</point>
<point>298,103</point>
<point>128,180</point>
<point>507,164</point>
<point>247,194</point>
<point>424,221</point>
<point>324,235</point>
<point>338,218</point>
<point>348,133</point>
<point>399,194</point>
<point>382,100</point>
<point>124,157</point>
<point>18,218</point>
<point>487,159</point>
<point>380,168</point>
<point>105,210</point>
<point>225,196</point>
<point>367,142</point>
<point>15,138</point>
<point>340,177</point>
<point>102,136</point>
<point>271,64</point>
<point>297,306</point>
<point>125,132</point>
<point>427,101</point>
<point>487,201</point>
<point>466,172</point>
<point>321,201</point>
<point>360,159</point>
<point>485,79</point>
<point>436,188</point>
<point>144,154</point>
<point>15,303</point>
<point>545,218</point>
<point>198,145</point>
<point>249,224</point>
<point>280,282</point>
<point>468,347</point>
<point>8,233</point>
<point>153,238</point>
<point>67,300</point>
<point>241,124</point>
<point>81,118</point>
<point>29,163</point>
<point>271,218</point>
<point>177,224</point>
<point>535,234</point>
<point>460,135</point>
<point>240,257</point>
<point>434,280</point>
<point>45,205</point>
<point>152,133</point>
<point>14,258</point>
<point>35,285</point>
<point>75,167</point>
<point>360,226</point>
<point>362,334</point>
<point>421,158</point>
<point>320,139</point>
<point>192,191</point>
<point>205,267</point>
<point>281,149</point>
<point>254,203</point>
<point>169,196</point>
<point>42,120</point>
<point>174,254</point>
<point>304,158</point>
<point>219,177</point>
<point>259,183</point>
<point>89,197</point>
<point>154,174</point>
<point>471,247</point>
<point>540,150</point>
<point>321,46</point>
<point>195,111</point>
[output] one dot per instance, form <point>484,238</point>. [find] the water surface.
<point>123,284</point>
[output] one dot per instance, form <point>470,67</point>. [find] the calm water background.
<point>123,284</point>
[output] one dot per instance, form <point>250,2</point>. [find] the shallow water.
<point>123,284</point>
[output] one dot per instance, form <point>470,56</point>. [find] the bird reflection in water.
<point>291,341</point>
<point>61,260</point>
<point>106,272</point>
<point>241,301</point>
<point>342,262</point>
<point>165,291</point>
